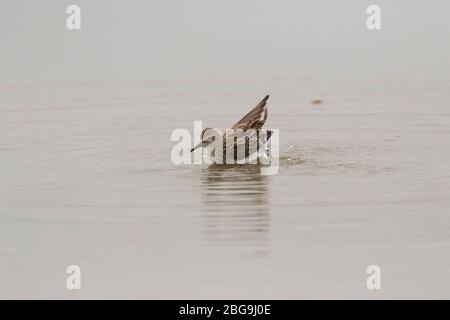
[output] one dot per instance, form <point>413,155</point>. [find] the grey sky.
<point>176,39</point>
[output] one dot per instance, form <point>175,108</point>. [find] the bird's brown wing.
<point>256,118</point>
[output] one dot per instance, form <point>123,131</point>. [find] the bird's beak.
<point>201,144</point>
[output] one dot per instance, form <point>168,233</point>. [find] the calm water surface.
<point>86,179</point>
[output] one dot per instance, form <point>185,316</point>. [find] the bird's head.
<point>207,137</point>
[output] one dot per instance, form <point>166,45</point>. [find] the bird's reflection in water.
<point>235,207</point>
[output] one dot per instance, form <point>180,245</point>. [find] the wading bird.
<point>245,142</point>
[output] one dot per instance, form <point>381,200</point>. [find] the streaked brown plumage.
<point>253,120</point>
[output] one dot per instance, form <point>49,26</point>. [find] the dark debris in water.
<point>317,101</point>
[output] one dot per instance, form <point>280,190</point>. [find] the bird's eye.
<point>213,138</point>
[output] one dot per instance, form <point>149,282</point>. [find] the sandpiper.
<point>246,142</point>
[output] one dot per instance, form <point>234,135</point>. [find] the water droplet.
<point>290,145</point>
